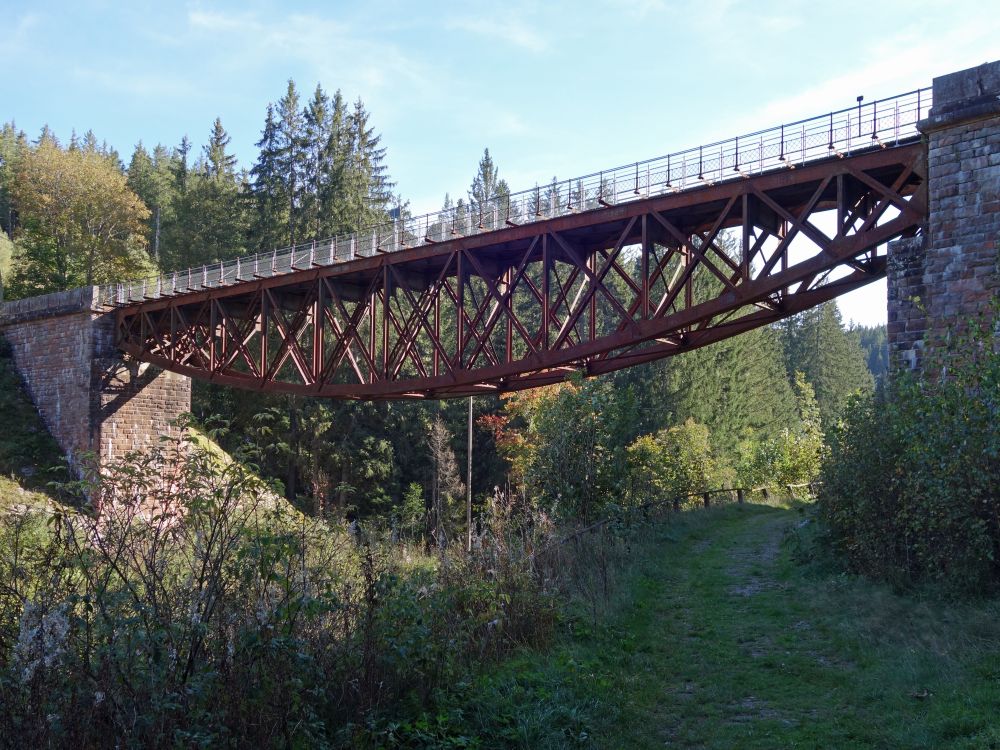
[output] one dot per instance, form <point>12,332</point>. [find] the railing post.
<point>739,496</point>
<point>706,497</point>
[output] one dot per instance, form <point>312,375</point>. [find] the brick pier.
<point>952,273</point>
<point>92,399</point>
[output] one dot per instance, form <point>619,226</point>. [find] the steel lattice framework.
<point>521,306</point>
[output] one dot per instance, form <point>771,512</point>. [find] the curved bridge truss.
<point>522,306</point>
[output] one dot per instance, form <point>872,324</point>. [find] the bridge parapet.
<point>91,398</point>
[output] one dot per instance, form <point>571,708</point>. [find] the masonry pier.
<point>951,273</point>
<point>93,398</point>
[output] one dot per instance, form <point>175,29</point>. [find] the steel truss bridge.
<point>585,276</point>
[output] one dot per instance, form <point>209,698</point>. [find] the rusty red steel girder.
<point>523,306</point>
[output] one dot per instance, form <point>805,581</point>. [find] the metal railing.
<point>876,124</point>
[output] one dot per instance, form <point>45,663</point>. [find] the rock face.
<point>952,273</point>
<point>92,399</point>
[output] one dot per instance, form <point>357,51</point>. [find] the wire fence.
<point>877,124</point>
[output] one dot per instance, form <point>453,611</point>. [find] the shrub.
<point>794,457</point>
<point>910,485</point>
<point>673,462</point>
<point>198,609</point>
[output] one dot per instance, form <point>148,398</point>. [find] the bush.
<point>672,463</point>
<point>198,609</point>
<point>911,483</point>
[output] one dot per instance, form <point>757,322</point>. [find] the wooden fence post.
<point>739,496</point>
<point>705,497</point>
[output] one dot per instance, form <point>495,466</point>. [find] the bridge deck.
<point>594,287</point>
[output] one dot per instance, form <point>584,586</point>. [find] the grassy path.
<point>719,639</point>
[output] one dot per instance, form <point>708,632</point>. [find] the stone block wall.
<point>90,397</point>
<point>907,321</point>
<point>958,275</point>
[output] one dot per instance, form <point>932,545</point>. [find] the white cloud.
<point>393,82</point>
<point>639,8</point>
<point>17,38</point>
<point>900,63</point>
<point>504,29</point>
<point>324,44</point>
<point>780,24</point>
<point>136,84</point>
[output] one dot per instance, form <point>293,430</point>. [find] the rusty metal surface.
<point>886,122</point>
<point>590,291</point>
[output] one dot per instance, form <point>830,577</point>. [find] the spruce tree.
<point>13,143</point>
<point>219,163</point>
<point>292,160</point>
<point>270,220</point>
<point>212,207</point>
<point>367,187</point>
<point>318,142</point>
<point>488,191</point>
<point>831,359</point>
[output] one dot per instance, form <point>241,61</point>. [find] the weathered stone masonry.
<point>952,273</point>
<point>91,399</point>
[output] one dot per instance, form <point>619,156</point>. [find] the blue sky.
<point>554,88</point>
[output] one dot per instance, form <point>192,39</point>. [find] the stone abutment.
<point>93,399</point>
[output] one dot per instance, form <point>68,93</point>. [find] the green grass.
<point>717,638</point>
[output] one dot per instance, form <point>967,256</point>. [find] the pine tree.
<point>832,360</point>
<point>367,186</point>
<point>219,163</point>
<point>13,144</point>
<point>875,343</point>
<point>214,218</point>
<point>488,192</point>
<point>266,190</point>
<point>318,143</point>
<point>733,386</point>
<point>292,159</point>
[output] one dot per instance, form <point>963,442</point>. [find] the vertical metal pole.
<point>468,485</point>
<point>645,267</point>
<point>546,321</point>
<point>460,311</point>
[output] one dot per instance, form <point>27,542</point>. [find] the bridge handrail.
<point>876,124</point>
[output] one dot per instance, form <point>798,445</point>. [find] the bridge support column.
<point>952,273</point>
<point>92,399</point>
